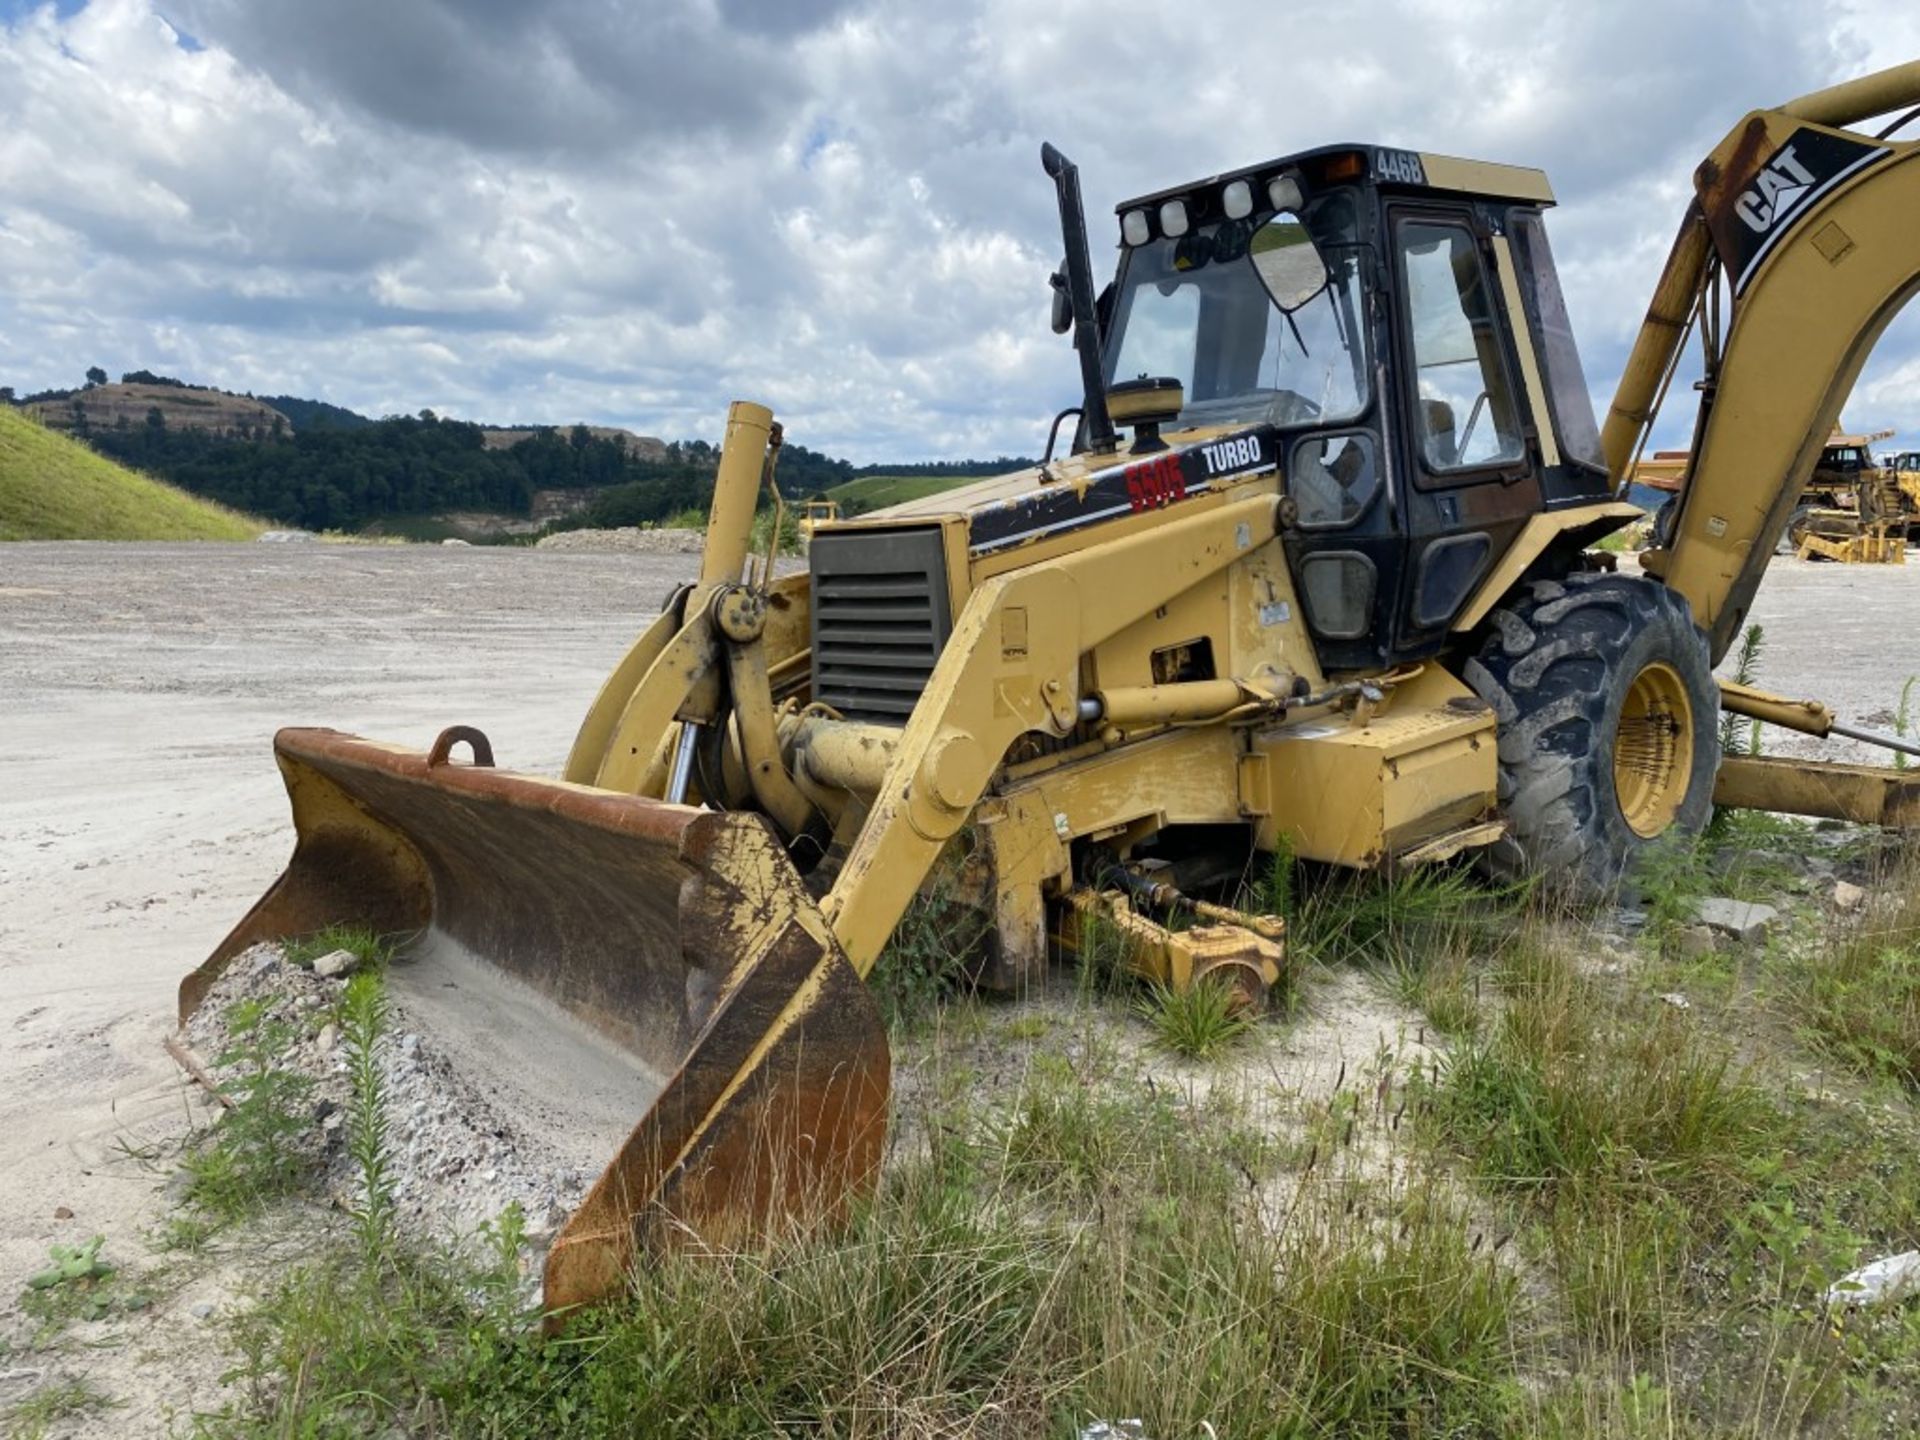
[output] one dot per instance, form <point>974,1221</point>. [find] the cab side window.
<point>1464,414</point>
<point>1567,391</point>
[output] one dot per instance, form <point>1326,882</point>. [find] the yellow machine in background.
<point>1852,509</point>
<point>1904,470</point>
<point>1332,594</point>
<point>816,513</point>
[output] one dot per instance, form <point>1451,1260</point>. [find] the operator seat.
<point>1439,425</point>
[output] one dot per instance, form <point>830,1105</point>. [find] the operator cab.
<point>1851,457</point>
<point>1394,323</point>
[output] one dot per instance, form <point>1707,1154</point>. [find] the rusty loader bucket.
<point>653,975</point>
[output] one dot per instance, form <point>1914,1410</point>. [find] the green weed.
<point>927,959</point>
<point>789,532</point>
<point>1860,991</point>
<point>1033,1025</point>
<point>1444,985</point>
<point>72,1265</point>
<point>252,1154</point>
<point>1746,671</point>
<point>1370,920</point>
<point>61,1399</point>
<point>363,1015</point>
<point>1199,1022</point>
<point>188,1233</point>
<point>1105,961</point>
<point>372,949</point>
<point>1903,720</point>
<point>1102,1244</point>
<point>1275,892</point>
<point>77,1284</point>
<point>1673,877</point>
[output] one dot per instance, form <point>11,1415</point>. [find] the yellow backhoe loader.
<point>1332,592</point>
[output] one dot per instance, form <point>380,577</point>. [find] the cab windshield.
<point>1194,309</point>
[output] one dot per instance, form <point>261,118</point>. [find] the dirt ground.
<point>140,812</point>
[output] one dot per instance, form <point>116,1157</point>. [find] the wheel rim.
<point>1243,980</point>
<point>1653,750</point>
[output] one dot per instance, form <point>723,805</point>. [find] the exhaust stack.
<point>1086,322</point>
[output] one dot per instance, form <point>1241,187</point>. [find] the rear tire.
<point>1796,531</point>
<point>1609,727</point>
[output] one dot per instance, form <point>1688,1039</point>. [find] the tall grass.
<point>1598,1220</point>
<point>1371,920</point>
<point>1206,1019</point>
<point>1092,1252</point>
<point>1624,1125</point>
<point>1861,993</point>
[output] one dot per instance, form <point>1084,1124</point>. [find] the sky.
<point>632,213</point>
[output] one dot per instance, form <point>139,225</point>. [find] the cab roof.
<point>1379,164</point>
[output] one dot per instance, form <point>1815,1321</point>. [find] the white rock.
<point>1896,1277</point>
<point>1677,1000</point>
<point>1744,921</point>
<point>1848,896</point>
<point>450,540</point>
<point>328,1037</point>
<point>336,964</point>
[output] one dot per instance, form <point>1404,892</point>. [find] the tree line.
<point>340,478</point>
<point>329,468</point>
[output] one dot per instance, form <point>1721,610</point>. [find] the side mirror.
<point>1062,320</point>
<point>1287,261</point>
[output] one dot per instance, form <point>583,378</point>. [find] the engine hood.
<point>1081,490</point>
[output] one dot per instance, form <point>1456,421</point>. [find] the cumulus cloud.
<point>633,213</point>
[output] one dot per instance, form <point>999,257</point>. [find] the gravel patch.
<point>456,1159</point>
<point>631,540</point>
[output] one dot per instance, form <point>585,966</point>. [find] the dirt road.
<point>140,813</point>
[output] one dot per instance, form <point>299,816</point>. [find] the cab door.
<point>1471,441</point>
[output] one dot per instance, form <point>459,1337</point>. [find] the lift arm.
<point>1797,252</point>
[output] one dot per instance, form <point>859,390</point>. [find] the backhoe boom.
<point>1797,253</point>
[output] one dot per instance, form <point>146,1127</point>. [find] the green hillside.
<point>874,492</point>
<point>53,488</point>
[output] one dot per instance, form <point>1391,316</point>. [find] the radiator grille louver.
<point>880,620</point>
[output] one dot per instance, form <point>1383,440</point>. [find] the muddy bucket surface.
<point>649,985</point>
